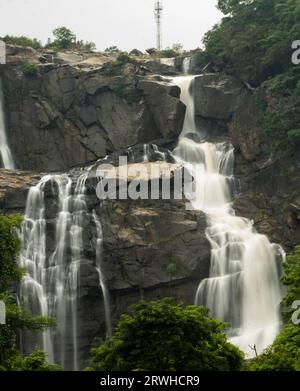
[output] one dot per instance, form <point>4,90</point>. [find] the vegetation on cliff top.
<point>254,43</point>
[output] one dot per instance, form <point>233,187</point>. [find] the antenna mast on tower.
<point>158,8</point>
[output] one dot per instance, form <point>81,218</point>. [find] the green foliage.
<point>85,45</point>
<point>36,361</point>
<point>64,38</point>
<point>167,53</point>
<point>171,269</point>
<point>254,40</point>
<point>112,50</point>
<point>29,69</point>
<point>128,92</point>
<point>284,353</point>
<point>171,52</point>
<point>282,116</point>
<point>9,248</point>
<point>163,335</point>
<point>294,133</point>
<point>116,68</point>
<point>22,41</point>
<point>291,279</point>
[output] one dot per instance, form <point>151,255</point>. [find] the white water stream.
<point>5,152</point>
<point>243,287</point>
<point>52,282</point>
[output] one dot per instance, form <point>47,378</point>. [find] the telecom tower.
<point>158,8</point>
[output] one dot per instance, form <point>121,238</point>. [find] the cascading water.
<point>5,152</point>
<point>186,65</point>
<point>51,284</point>
<point>99,248</point>
<point>34,285</point>
<point>244,286</point>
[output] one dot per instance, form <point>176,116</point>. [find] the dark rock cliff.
<point>74,113</point>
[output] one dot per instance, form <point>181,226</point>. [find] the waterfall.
<point>52,282</point>
<point>186,65</point>
<point>244,283</point>
<point>79,213</point>
<point>6,155</point>
<point>99,243</point>
<point>34,284</point>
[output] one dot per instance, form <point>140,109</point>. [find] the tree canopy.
<point>163,335</point>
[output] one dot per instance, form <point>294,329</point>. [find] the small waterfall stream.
<point>52,283</point>
<point>243,287</point>
<point>5,152</point>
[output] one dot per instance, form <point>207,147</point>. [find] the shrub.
<point>29,69</point>
<point>112,50</point>
<point>163,335</point>
<point>23,41</point>
<point>116,68</point>
<point>127,92</point>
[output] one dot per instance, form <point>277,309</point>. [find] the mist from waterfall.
<point>52,281</point>
<point>5,152</point>
<point>244,283</point>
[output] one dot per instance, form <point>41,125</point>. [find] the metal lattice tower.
<point>158,8</point>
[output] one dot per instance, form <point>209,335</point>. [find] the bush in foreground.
<point>163,335</point>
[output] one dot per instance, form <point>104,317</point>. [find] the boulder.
<point>217,96</point>
<point>245,128</point>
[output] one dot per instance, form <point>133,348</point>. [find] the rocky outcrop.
<point>14,187</point>
<point>72,114</point>
<point>217,96</point>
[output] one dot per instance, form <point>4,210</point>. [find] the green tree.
<point>254,40</point>
<point>163,335</point>
<point>254,43</point>
<point>64,38</point>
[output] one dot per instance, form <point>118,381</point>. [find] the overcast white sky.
<point>126,23</point>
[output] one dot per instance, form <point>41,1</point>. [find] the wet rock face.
<point>69,115</point>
